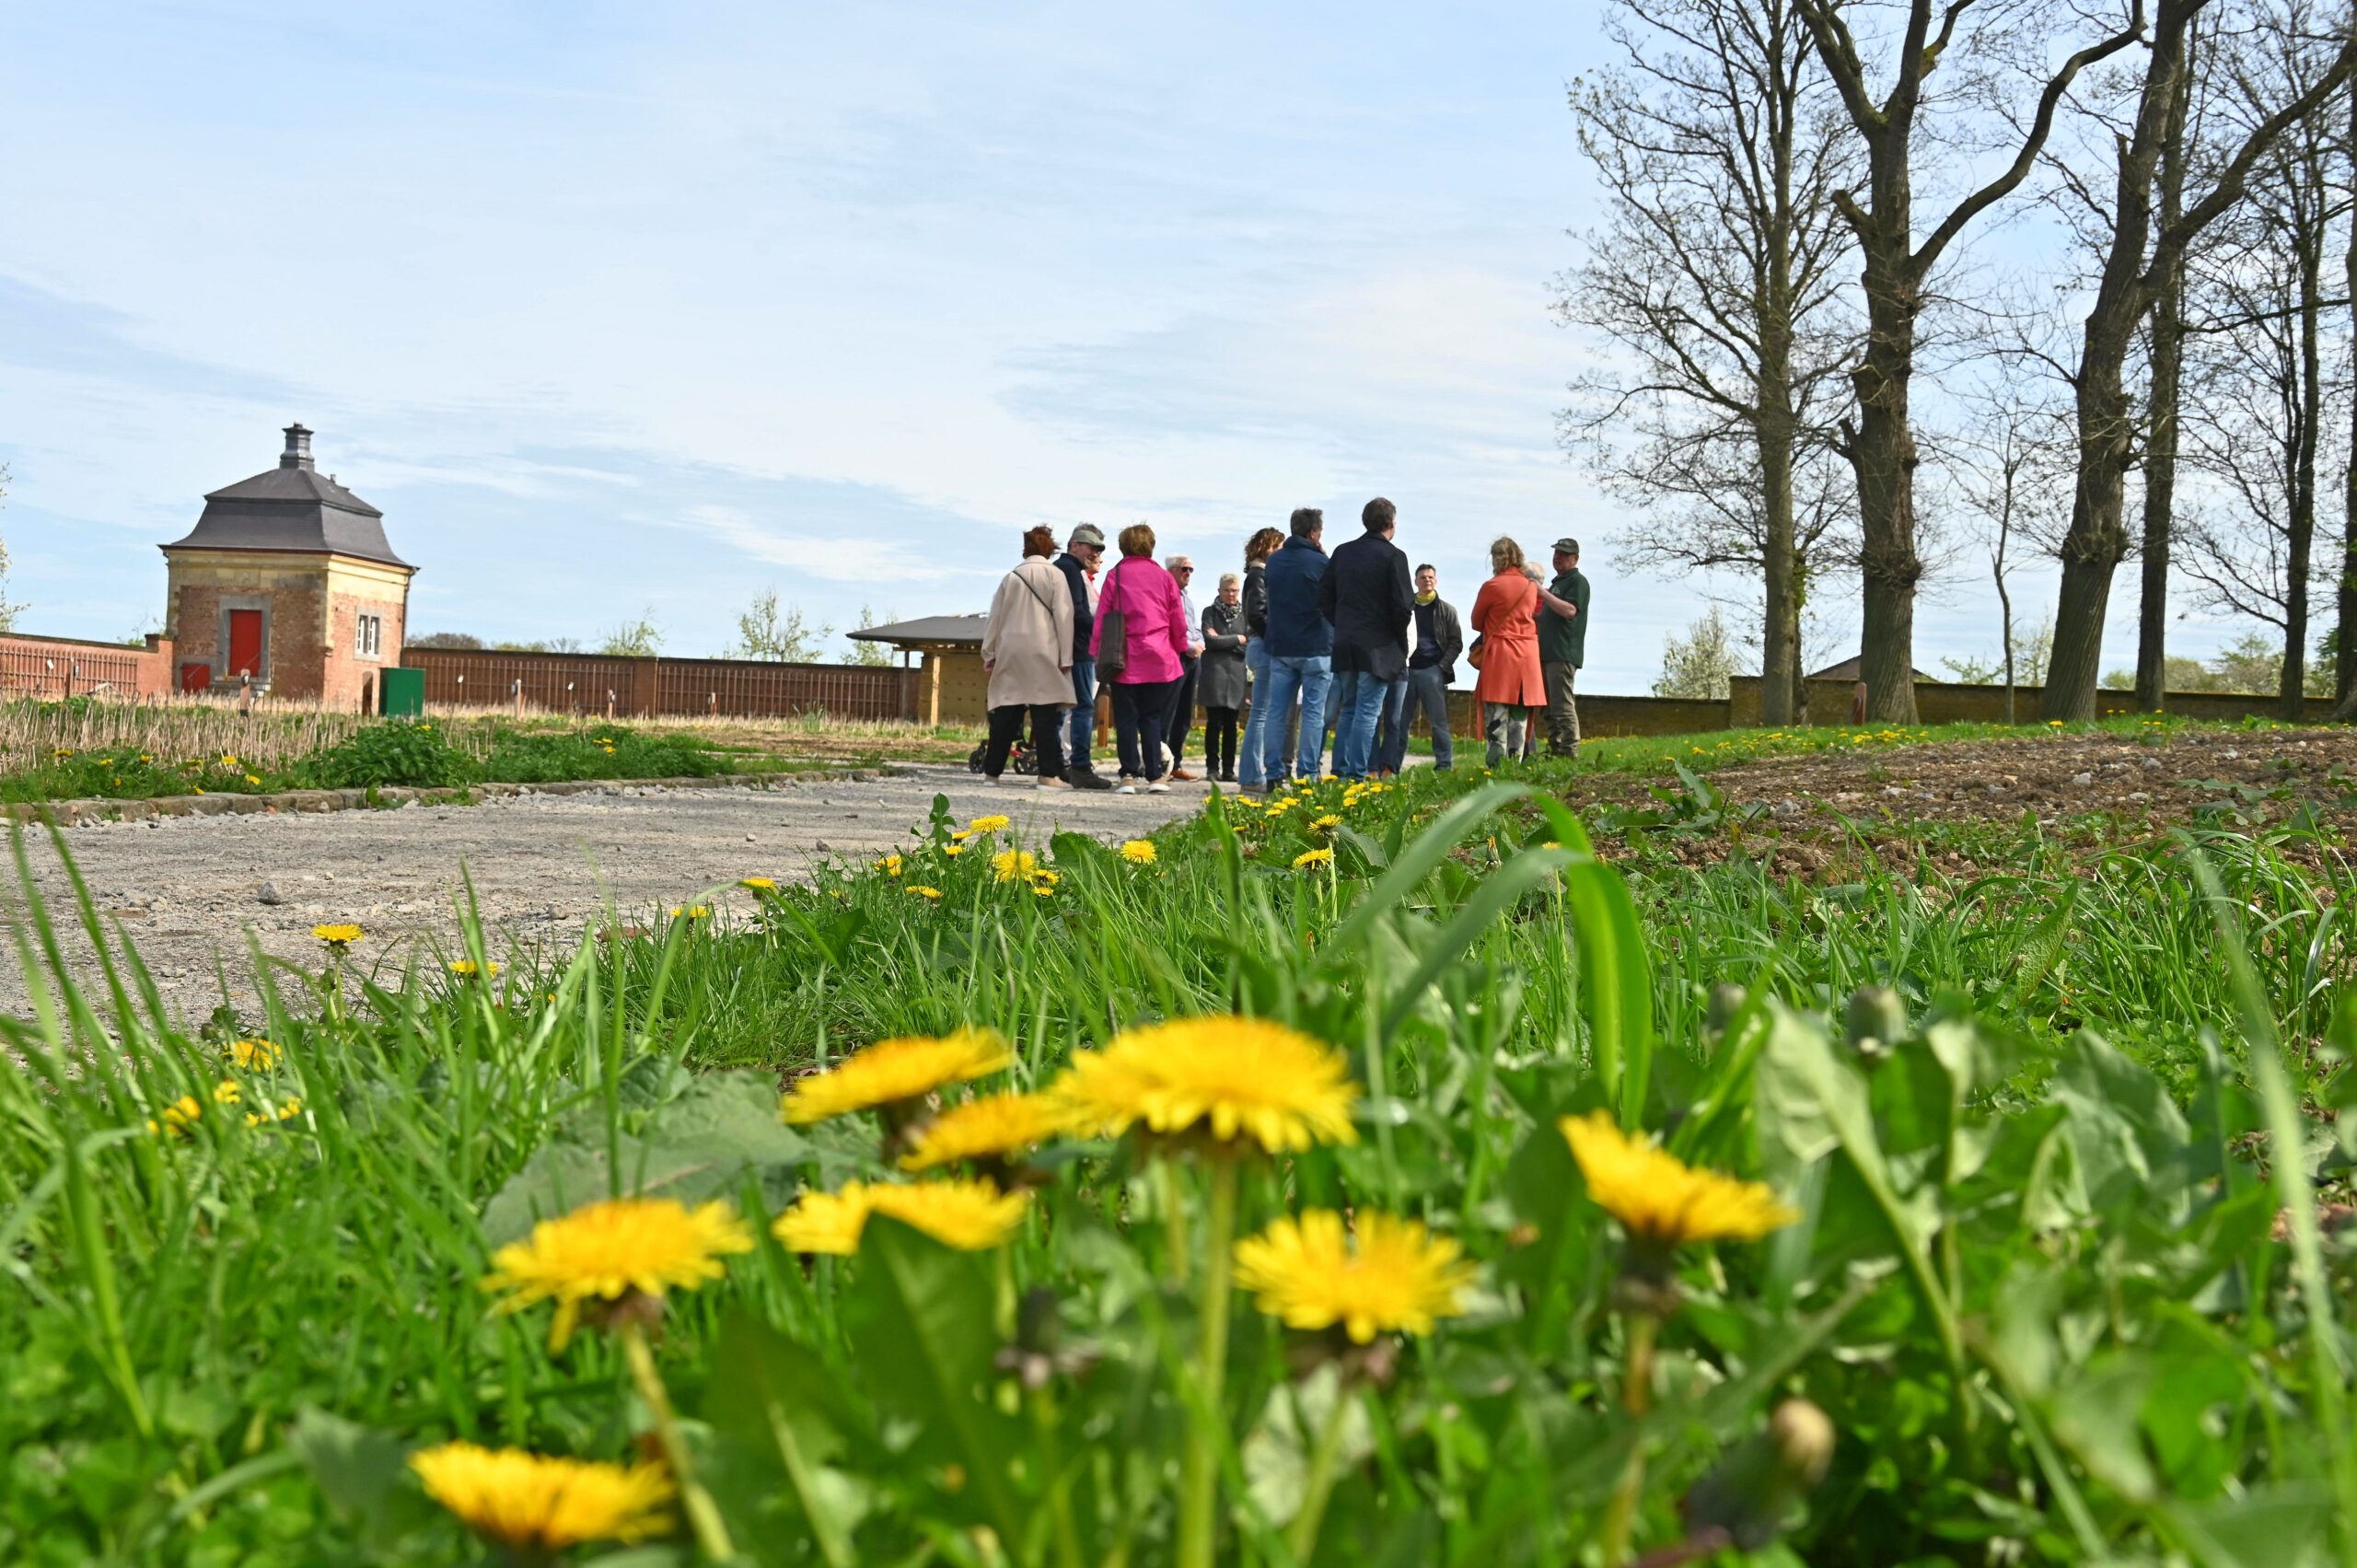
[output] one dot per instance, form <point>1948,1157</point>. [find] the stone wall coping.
<point>107,808</point>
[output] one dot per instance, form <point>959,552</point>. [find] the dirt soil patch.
<point>1814,816</point>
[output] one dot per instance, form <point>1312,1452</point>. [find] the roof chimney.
<point>298,448</point>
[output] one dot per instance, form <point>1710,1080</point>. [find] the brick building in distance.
<point>287,580</point>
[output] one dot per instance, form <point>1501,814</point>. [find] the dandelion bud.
<point>1752,1492</point>
<point>1878,1022</point>
<point>1802,1435</point>
<point>1726,1001</point>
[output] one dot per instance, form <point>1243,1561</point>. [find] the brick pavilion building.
<point>287,582</point>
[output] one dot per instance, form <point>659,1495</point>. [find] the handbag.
<point>1479,647</point>
<point>1113,636</point>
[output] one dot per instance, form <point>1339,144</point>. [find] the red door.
<point>195,677</point>
<point>245,642</point>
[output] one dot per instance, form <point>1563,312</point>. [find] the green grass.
<point>2035,1286</point>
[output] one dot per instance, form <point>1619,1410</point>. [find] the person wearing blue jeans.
<point>1367,595</point>
<point>1300,647</point>
<point>1436,636</point>
<point>1358,697</point>
<point>1428,694</point>
<point>1081,553</point>
<point>1251,774</point>
<point>1391,730</point>
<point>1307,676</point>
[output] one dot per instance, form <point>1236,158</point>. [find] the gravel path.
<point>188,890</point>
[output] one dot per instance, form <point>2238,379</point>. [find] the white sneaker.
<point>1053,783</point>
<point>1126,789</point>
<point>1158,787</point>
<point>991,780</point>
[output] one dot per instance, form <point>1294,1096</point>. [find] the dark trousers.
<point>1219,741</point>
<point>1047,737</point>
<point>1182,713</point>
<point>1140,714</point>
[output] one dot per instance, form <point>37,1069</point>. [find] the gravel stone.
<point>186,891</point>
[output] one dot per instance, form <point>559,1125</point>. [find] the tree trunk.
<point>2097,542</point>
<point>2300,542</point>
<point>2161,415</point>
<point>2097,539</point>
<point>1882,454</point>
<point>1780,636</point>
<point>2344,674</point>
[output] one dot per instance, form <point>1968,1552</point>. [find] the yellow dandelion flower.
<point>971,1216</point>
<point>1139,852</point>
<point>895,1070</point>
<point>286,1111</point>
<point>1659,1198</point>
<point>254,778</point>
<point>1394,1276</point>
<point>991,1127</point>
<point>1044,877</point>
<point>1238,1079</point>
<point>338,937</point>
<point>227,1092</point>
<point>1313,859</point>
<point>890,866</point>
<point>758,884</point>
<point>177,1118</point>
<point>953,849</point>
<point>985,825</point>
<point>254,1055</point>
<point>536,1503</point>
<point>1008,864</point>
<point>603,1251</point>
<point>467,968</point>
<point>1325,824</point>
<point>924,892</point>
<point>228,760</point>
<point>1042,890</point>
<point>691,911</point>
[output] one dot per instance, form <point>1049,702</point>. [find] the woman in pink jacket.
<point>1155,645</point>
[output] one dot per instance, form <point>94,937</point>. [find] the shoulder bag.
<point>1113,635</point>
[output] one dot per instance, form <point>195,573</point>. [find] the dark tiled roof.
<point>928,629</point>
<point>290,509</point>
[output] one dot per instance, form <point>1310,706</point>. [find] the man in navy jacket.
<point>1301,644</point>
<point>1367,595</point>
<point>1081,553</point>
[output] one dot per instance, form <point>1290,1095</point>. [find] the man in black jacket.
<point>1081,553</point>
<point>1367,596</point>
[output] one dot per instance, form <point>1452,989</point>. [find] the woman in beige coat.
<point>1027,652</point>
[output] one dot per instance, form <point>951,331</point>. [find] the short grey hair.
<point>1172,562</point>
<point>1230,580</point>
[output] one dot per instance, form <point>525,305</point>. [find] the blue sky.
<point>611,308</point>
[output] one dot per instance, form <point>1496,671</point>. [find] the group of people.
<point>1298,646</point>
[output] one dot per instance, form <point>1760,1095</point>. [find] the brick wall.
<point>51,668</point>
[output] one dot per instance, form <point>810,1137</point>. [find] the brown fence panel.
<point>555,683</point>
<point>63,667</point>
<point>745,689</point>
<point>587,683</point>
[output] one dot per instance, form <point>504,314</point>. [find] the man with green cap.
<point>1563,647</point>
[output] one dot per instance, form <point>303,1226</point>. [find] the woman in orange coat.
<point>1505,615</point>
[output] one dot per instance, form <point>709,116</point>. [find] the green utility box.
<point>403,693</point>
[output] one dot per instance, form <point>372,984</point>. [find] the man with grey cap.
<point>1077,562</point>
<point>1563,647</point>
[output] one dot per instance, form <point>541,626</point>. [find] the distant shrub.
<point>399,751</point>
<point>601,751</point>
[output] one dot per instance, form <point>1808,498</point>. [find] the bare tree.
<point>2286,98</point>
<point>2008,467</point>
<point>1896,269</point>
<point>767,630</point>
<point>1719,149</point>
<point>2263,428</point>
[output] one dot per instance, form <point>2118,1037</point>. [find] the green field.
<point>2053,1274</point>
